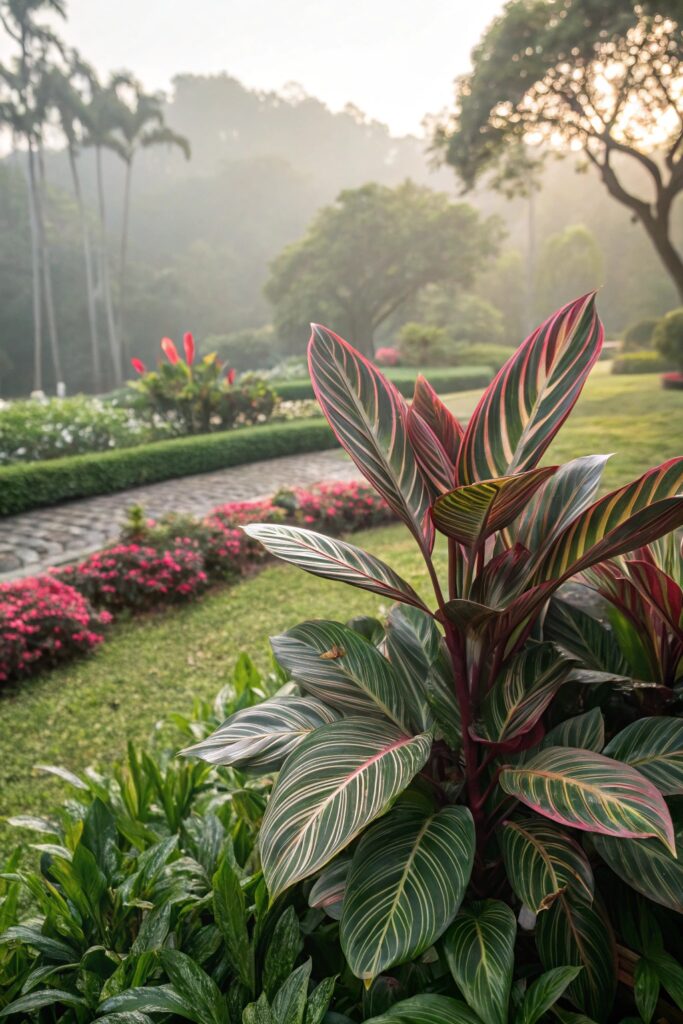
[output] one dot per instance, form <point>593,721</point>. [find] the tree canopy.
<point>604,77</point>
<point>371,252</point>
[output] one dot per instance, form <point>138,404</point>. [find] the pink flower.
<point>188,345</point>
<point>138,365</point>
<point>230,376</point>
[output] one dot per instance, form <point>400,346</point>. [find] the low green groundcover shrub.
<point>23,487</point>
<point>459,378</point>
<point>639,362</point>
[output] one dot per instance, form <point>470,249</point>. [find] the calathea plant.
<point>448,781</point>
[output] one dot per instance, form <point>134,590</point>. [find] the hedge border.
<point>443,380</point>
<point>30,485</point>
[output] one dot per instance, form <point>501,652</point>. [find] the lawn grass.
<point>85,712</point>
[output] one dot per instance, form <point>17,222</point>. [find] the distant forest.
<point>204,231</point>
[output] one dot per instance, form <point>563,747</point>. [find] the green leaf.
<point>586,731</point>
<point>194,986</point>
<point>654,746</point>
<point>289,1005</point>
<point>530,398</point>
<point>261,737</point>
<point>155,999</point>
<point>585,637</point>
<point>319,1001</point>
<point>545,992</point>
<point>230,914</point>
<point>542,863</point>
<point>408,877</point>
<point>647,867</point>
<point>472,513</point>
<point>575,933</point>
<point>259,1012</point>
<point>645,989</point>
<point>670,974</point>
<point>625,519</point>
<point>591,792</point>
<point>428,1009</point>
<point>283,949</point>
<point>559,500</point>
<point>333,560</point>
<point>522,692</point>
<point>126,1017</point>
<point>43,997</point>
<point>329,890</point>
<point>479,948</point>
<point>342,668</point>
<point>369,418</point>
<point>417,651</point>
<point>333,785</point>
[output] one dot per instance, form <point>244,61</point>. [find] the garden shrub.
<point>24,487</point>
<point>387,356</point>
<point>43,621</point>
<point>249,349</point>
<point>639,362</point>
<point>425,345</point>
<point>482,354</point>
<point>57,427</point>
<point>668,338</point>
<point>639,335</point>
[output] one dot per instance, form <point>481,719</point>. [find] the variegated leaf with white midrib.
<point>654,746</point>
<point>533,393</point>
<point>646,866</point>
<point>369,418</point>
<point>332,560</point>
<point>340,667</point>
<point>575,932</point>
<point>588,791</point>
<point>407,880</point>
<point>328,891</point>
<point>417,651</point>
<point>333,785</point>
<point>522,692</point>
<point>427,1009</point>
<point>261,737</point>
<point>542,862</point>
<point>479,948</point>
<point>584,636</point>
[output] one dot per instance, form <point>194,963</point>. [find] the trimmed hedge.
<point>443,380</point>
<point>646,361</point>
<point>24,486</point>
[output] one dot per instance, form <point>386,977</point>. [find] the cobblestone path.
<point>32,541</point>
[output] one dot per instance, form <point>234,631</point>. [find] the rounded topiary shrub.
<point>639,335</point>
<point>668,338</point>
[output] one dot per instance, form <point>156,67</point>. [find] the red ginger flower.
<point>170,351</point>
<point>188,345</point>
<point>138,365</point>
<point>230,376</point>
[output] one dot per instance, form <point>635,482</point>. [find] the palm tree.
<point>64,94</point>
<point>141,125</point>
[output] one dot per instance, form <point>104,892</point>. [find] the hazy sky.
<point>396,59</point>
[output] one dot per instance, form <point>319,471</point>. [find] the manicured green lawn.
<point>85,712</point>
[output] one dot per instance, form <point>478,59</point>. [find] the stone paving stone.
<point>31,542</point>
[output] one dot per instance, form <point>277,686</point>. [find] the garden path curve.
<point>32,541</point>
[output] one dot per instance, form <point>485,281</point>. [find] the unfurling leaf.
<point>438,417</point>
<point>333,785</point>
<point>591,792</point>
<point>407,880</point>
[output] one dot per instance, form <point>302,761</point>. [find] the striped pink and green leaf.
<point>542,863</point>
<point>653,746</point>
<point>591,792</point>
<point>439,418</point>
<point>407,880</point>
<point>532,395</point>
<point>472,513</point>
<point>437,468</point>
<point>333,560</point>
<point>328,891</point>
<point>330,788</point>
<point>369,418</point>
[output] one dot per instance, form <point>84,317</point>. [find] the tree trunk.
<point>114,346</point>
<point>658,232</point>
<point>35,280</point>
<point>89,275</point>
<point>47,272</point>
<point>123,255</point>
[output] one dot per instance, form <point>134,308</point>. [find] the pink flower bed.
<point>49,618</point>
<point>44,621</point>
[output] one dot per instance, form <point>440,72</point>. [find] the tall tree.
<point>601,76</point>
<point>23,111</point>
<point>141,124</point>
<point>369,254</point>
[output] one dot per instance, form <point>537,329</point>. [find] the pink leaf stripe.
<point>661,592</point>
<point>435,464</point>
<point>591,792</point>
<point>439,418</point>
<point>532,395</point>
<point>369,418</point>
